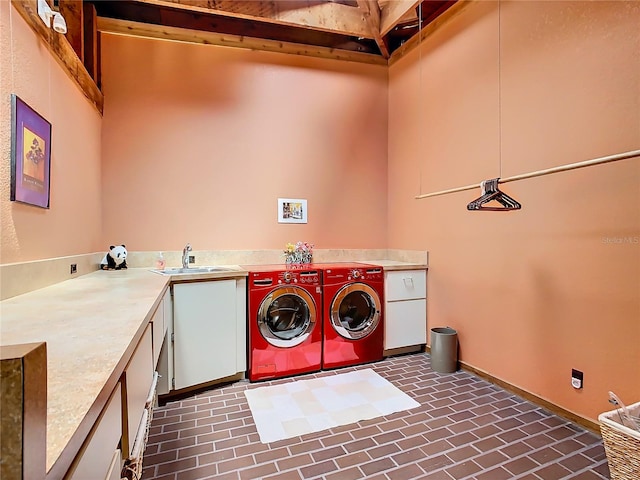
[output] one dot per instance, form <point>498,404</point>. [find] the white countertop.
<point>91,324</point>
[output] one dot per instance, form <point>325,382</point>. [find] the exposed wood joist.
<point>62,51</point>
<point>124,27</point>
<point>313,15</point>
<point>174,16</point>
<point>393,11</point>
<point>73,13</point>
<point>452,11</point>
<point>91,52</point>
<point>372,15</point>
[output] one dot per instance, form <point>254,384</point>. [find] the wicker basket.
<point>621,443</point>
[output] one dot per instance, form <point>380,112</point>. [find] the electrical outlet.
<point>577,378</point>
<point>74,268</point>
<point>192,259</point>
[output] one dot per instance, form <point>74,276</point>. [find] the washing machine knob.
<point>356,274</point>
<point>287,277</point>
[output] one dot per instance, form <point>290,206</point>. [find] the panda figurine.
<point>115,259</point>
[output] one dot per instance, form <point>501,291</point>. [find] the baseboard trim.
<point>187,392</point>
<point>403,350</point>
<point>552,407</point>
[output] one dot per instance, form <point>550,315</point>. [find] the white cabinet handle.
<point>408,282</point>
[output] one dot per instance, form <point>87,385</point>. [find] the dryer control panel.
<point>365,274</point>
<point>352,272</point>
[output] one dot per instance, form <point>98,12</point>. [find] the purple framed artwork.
<point>30,155</point>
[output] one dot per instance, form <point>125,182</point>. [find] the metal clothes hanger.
<point>490,193</point>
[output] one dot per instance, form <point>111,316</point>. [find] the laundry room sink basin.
<point>191,270</point>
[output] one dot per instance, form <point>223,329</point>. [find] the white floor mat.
<point>305,406</point>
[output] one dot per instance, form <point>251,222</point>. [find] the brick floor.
<point>465,429</point>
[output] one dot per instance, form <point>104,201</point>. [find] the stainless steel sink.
<point>187,271</point>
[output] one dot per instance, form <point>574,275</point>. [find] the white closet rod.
<point>538,173</point>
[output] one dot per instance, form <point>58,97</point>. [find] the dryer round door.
<point>287,316</point>
<point>355,311</point>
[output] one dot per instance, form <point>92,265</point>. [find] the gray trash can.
<point>444,350</point>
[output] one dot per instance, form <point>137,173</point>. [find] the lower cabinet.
<point>118,438</point>
<point>114,472</point>
<point>159,327</point>
<point>139,379</point>
<point>165,360</point>
<point>100,454</point>
<point>405,308</point>
<point>209,331</point>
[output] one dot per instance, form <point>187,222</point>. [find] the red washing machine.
<point>353,323</point>
<point>285,320</point>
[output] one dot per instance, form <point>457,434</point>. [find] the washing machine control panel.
<point>304,278</point>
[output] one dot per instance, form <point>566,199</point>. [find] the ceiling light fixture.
<point>47,15</point>
<point>59,24</point>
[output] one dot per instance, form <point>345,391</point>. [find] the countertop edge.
<point>391,265</point>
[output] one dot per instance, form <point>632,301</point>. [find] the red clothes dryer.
<point>353,323</point>
<point>285,320</point>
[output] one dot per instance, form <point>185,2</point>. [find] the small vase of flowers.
<point>300,252</point>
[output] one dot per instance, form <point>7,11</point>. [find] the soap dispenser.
<point>160,261</point>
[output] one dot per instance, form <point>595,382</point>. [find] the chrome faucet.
<point>185,255</point>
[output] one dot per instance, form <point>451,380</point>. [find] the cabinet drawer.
<point>405,285</point>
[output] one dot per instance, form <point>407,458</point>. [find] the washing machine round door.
<point>355,311</point>
<point>287,316</point>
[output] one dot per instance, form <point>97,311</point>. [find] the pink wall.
<point>556,285</point>
<point>199,142</point>
<point>72,225</point>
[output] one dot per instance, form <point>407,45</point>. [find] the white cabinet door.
<point>158,328</point>
<point>139,377</point>
<point>165,361</point>
<point>405,324</point>
<point>241,327</point>
<point>205,332</point>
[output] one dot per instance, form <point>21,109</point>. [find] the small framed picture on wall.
<point>292,210</point>
<point>30,155</point>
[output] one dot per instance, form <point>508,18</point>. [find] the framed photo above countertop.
<point>30,155</point>
<point>292,210</point>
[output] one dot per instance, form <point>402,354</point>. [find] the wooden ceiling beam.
<point>125,27</point>
<point>73,12</point>
<point>91,50</point>
<point>313,15</point>
<point>62,52</point>
<point>452,12</point>
<point>224,25</point>
<point>392,11</point>
<point>372,15</point>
